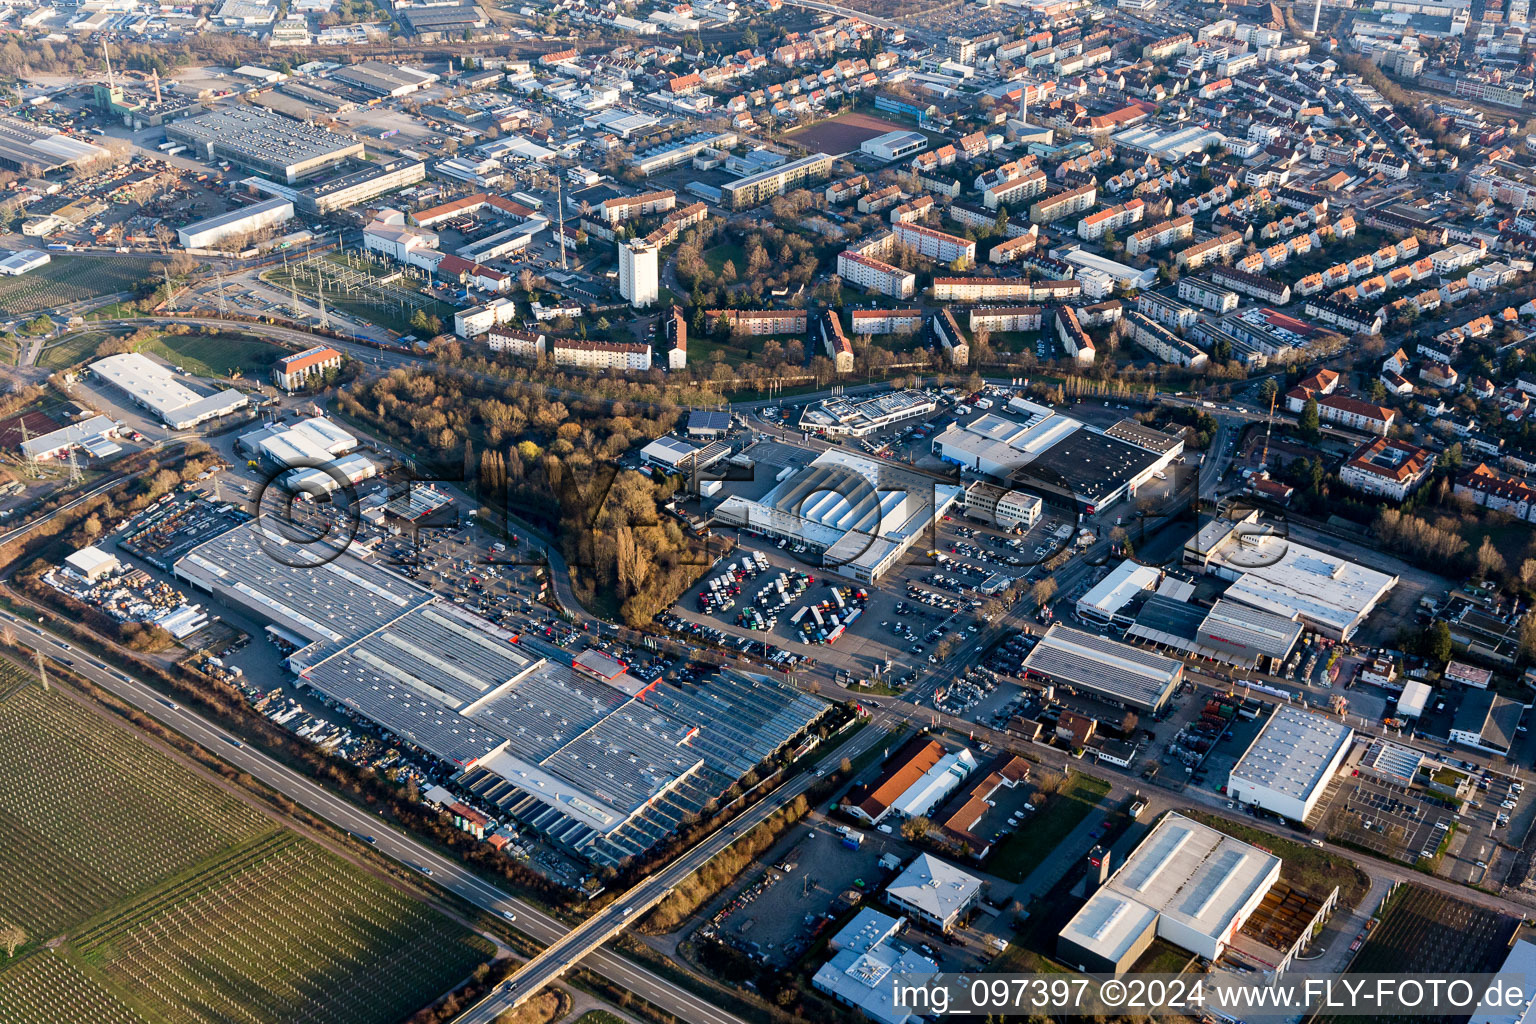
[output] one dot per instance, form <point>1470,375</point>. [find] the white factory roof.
<point>936,784</point>
<point>1520,963</point>
<point>76,433</point>
<point>1291,754</point>
<point>934,886</point>
<point>1281,576</point>
<point>865,980</point>
<point>1115,591</point>
<point>1184,871</point>
<point>1415,696</point>
<point>157,389</point>
<point>89,559</point>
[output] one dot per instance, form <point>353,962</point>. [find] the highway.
<point>441,870</point>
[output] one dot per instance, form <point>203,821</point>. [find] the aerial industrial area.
<point>755,511</point>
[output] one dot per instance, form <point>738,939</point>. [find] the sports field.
<point>842,134</point>
<point>70,278</point>
<point>151,896</point>
<point>217,356</point>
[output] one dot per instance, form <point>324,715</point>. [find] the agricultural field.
<point>97,815</point>
<point>1424,931</point>
<point>150,896</point>
<point>216,356</point>
<point>70,278</point>
<point>274,934</point>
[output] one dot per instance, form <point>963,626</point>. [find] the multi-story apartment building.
<point>674,332</point>
<point>1212,250</point>
<point>835,342</point>
<point>1069,331</point>
<point>1175,314</point>
<point>1498,491</point>
<point>1114,218</point>
<point>639,275</point>
<point>525,344</point>
<point>1016,190</point>
<point>623,208</point>
<point>1003,289</point>
<point>1064,204</point>
<point>875,275</point>
<point>761,321</point>
<point>951,338</point>
<point>1265,289</point>
<point>1006,318</point>
<point>1387,469</point>
<point>1204,293</point>
<point>935,245</point>
<point>1163,343</point>
<point>747,192</point>
<point>601,355</point>
<point>1353,318</point>
<point>1160,235</point>
<point>886,321</point>
<point>1012,249</point>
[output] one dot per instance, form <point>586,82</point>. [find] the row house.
<point>936,245</point>
<point>1063,204</point>
<point>761,321</point>
<point>1016,190</point>
<point>1073,338</point>
<point>913,210</point>
<point>1013,249</point>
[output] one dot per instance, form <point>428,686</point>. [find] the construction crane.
<point>1269,427</point>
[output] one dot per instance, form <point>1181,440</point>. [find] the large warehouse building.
<point>1330,595</point>
<point>236,223</point>
<point>1036,448</point>
<point>1228,632</point>
<point>1289,764</point>
<point>1187,883</point>
<point>156,388</point>
<point>577,748</point>
<point>282,148</point>
<point>1104,668</point>
<point>862,514</point>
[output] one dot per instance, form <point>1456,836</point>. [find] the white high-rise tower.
<point>639,277</point>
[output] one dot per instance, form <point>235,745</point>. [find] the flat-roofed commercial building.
<point>1287,767</point>
<point>847,417</point>
<point>1103,602</point>
<point>569,750</point>
<point>237,224</point>
<point>1330,595</point>
<point>294,371</point>
<point>764,185</point>
<point>1228,632</point>
<point>1107,669</point>
<point>1186,883</point>
<point>361,185</point>
<point>862,514</point>
<point>282,148</point>
<point>156,388</point>
<point>934,891</point>
<point>1008,509</point>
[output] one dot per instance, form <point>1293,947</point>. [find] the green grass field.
<point>70,278</point>
<point>150,896</point>
<point>715,257</point>
<point>1024,850</point>
<point>71,349</point>
<point>217,356</point>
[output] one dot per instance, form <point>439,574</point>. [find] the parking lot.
<point>1387,818</point>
